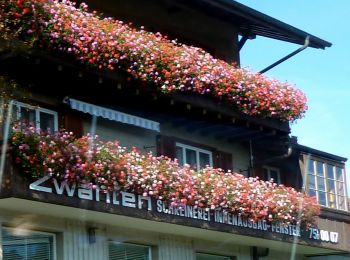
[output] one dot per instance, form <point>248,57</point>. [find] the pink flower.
<point>106,43</point>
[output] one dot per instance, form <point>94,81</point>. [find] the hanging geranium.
<point>107,43</point>
<point>108,166</point>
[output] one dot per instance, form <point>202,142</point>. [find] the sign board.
<point>130,200</point>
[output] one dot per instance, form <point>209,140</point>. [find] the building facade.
<point>63,197</point>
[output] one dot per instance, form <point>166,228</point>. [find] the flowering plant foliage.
<point>107,43</point>
<point>90,162</point>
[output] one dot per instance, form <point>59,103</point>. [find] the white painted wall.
<point>168,241</point>
<point>127,135</point>
<point>75,243</point>
<point>173,248</point>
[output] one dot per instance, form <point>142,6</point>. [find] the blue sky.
<point>324,75</point>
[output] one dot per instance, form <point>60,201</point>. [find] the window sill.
<point>335,214</point>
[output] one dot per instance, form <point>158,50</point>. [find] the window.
<point>201,256</point>
<point>27,245</point>
<point>272,173</point>
<point>125,251</point>
<point>326,181</point>
<point>196,157</point>
<point>192,153</point>
<point>44,119</point>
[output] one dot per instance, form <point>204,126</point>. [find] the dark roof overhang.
<point>253,23</point>
<point>315,152</point>
<point>48,74</point>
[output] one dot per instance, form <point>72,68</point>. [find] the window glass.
<point>341,188</point>
<point>196,157</point>
<point>312,193</point>
<point>341,202</point>
<point>179,155</point>
<point>272,173</point>
<point>312,182</point>
<point>191,157</point>
<point>27,245</point>
<point>47,122</point>
<point>328,185</point>
<point>319,169</point>
<point>200,256</point>
<point>339,174</point>
<point>331,186</point>
<point>204,159</point>
<point>41,118</point>
<point>331,200</point>
<point>322,198</point>
<point>311,169</point>
<point>330,171</point>
<point>27,115</point>
<point>321,184</point>
<point>123,251</point>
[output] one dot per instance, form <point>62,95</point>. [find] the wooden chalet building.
<point>59,86</point>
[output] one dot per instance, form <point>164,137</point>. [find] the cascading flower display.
<point>106,43</point>
<point>107,166</point>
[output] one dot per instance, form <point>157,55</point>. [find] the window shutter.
<point>34,246</point>
<point>166,146</point>
<point>73,122</point>
<point>259,172</point>
<point>120,251</point>
<point>223,160</point>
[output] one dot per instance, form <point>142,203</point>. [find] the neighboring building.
<point>45,219</point>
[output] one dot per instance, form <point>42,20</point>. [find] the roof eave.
<point>309,150</point>
<point>273,28</point>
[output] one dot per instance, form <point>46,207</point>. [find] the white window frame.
<point>30,232</point>
<point>131,244</point>
<point>37,110</point>
<point>326,184</point>
<point>269,169</point>
<point>197,151</point>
